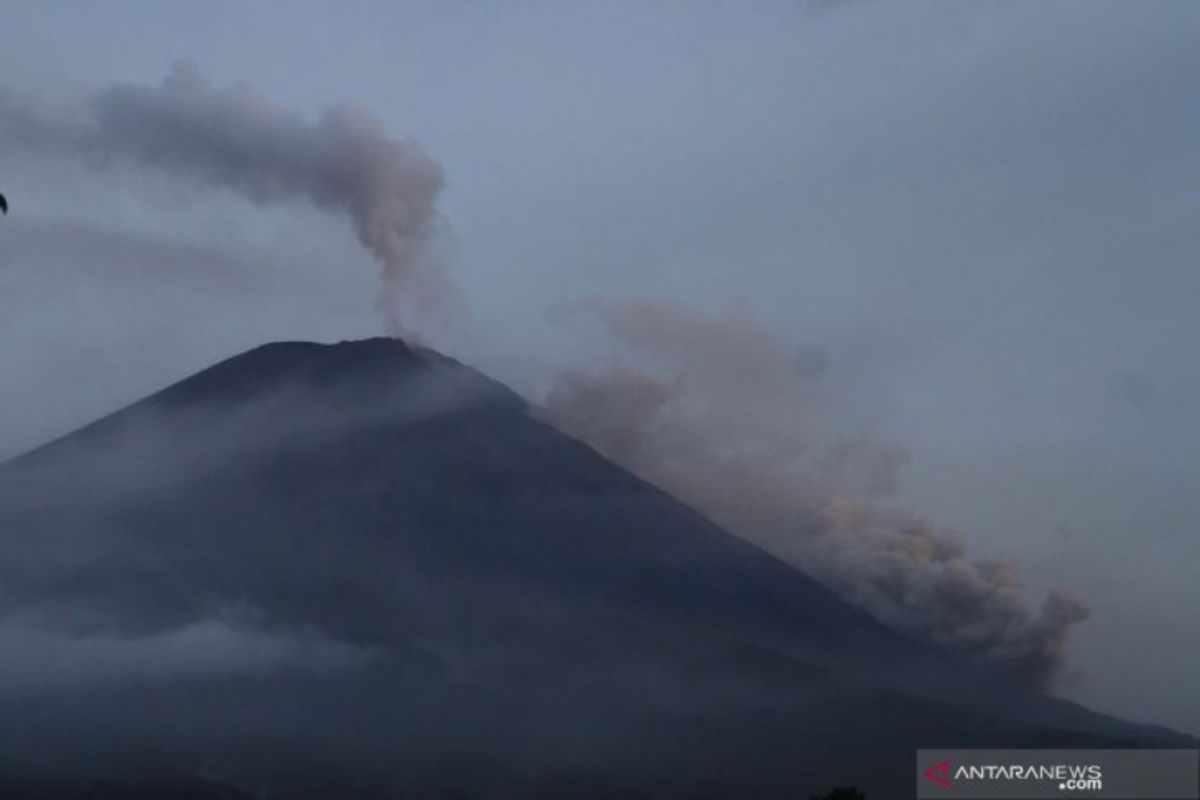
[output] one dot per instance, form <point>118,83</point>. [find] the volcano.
<point>365,569</point>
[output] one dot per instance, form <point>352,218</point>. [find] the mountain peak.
<point>396,558</point>
<point>349,380</point>
<point>312,362</point>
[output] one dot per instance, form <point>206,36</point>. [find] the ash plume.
<point>236,138</point>
<point>719,413</point>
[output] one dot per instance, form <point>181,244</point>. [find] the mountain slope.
<point>384,573</point>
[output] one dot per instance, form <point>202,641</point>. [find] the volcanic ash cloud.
<point>235,138</point>
<point>721,414</point>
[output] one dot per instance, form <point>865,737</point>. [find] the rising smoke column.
<point>236,138</point>
<point>721,414</point>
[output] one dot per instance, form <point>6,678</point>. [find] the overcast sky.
<point>987,212</point>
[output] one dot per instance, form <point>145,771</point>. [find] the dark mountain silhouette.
<point>365,569</point>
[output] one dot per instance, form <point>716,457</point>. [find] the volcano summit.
<point>369,570</point>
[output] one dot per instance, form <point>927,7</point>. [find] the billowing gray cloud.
<point>717,413</point>
<point>236,138</point>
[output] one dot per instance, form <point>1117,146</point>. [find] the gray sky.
<point>985,214</point>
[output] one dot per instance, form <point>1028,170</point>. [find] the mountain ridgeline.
<point>365,569</point>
